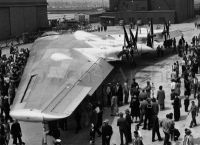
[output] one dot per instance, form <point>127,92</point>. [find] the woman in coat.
<point>135,107</point>
<point>177,106</point>
<point>161,98</point>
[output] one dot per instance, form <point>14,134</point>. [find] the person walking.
<point>123,127</point>
<point>107,132</point>
<point>194,113</point>
<point>161,98</point>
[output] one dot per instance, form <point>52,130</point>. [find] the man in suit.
<point>161,98</point>
<point>155,128</point>
<point>123,127</point>
<point>129,121</point>
<point>16,132</point>
<point>106,132</point>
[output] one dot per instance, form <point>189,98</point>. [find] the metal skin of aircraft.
<point>61,71</point>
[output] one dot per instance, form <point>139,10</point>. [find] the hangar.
<point>131,10</point>
<point>19,16</point>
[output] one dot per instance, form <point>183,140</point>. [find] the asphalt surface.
<point>148,68</point>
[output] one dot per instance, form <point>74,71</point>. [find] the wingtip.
<point>29,115</point>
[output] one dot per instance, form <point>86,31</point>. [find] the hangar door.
<point>23,19</point>
<point>4,23</point>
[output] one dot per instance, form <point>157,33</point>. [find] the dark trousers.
<point>15,137</point>
<point>166,140</point>
<point>126,98</point>
<point>129,135</point>
<point>123,133</point>
<point>7,115</point>
<point>149,119</point>
<point>141,118</point>
<point>186,108</point>
<point>105,141</point>
<point>193,121</point>
<point>156,131</point>
<point>162,106</point>
<point>195,90</point>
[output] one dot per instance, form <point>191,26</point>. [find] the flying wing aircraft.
<point>61,71</point>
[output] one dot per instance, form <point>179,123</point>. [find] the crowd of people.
<point>11,69</point>
<point>145,107</point>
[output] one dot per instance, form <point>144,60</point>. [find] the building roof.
<point>10,3</point>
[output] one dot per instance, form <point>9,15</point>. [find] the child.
<point>137,127</point>
<point>186,103</point>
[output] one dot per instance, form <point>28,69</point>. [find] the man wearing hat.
<point>106,132</point>
<point>188,138</point>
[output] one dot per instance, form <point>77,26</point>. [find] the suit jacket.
<point>16,129</point>
<point>107,130</point>
<point>122,123</point>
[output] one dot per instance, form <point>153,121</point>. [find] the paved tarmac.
<point>148,68</point>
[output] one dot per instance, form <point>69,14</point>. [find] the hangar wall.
<point>19,16</point>
<point>184,9</point>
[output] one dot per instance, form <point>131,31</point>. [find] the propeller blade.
<point>152,33</point>
<point>136,35</point>
<point>126,37</point>
<point>132,38</point>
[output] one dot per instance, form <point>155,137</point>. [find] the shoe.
<point>144,128</point>
<point>160,139</point>
<point>190,126</point>
<point>153,140</point>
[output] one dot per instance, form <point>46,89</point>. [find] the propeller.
<point>166,30</point>
<point>134,38</point>
<point>126,38</point>
<point>150,35</point>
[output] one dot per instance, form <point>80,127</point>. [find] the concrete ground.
<point>148,68</point>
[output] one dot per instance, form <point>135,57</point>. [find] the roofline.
<point>22,4</point>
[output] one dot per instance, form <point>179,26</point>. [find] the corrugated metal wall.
<point>15,20</point>
<point>4,23</point>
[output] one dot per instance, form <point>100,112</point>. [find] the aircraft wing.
<point>57,78</point>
